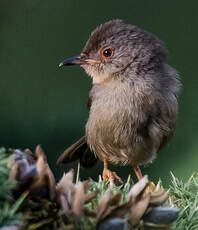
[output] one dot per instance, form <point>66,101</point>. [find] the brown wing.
<point>165,141</point>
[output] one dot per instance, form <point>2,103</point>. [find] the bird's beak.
<point>78,60</point>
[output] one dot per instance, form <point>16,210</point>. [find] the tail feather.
<point>78,151</point>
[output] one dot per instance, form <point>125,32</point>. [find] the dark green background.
<point>40,103</point>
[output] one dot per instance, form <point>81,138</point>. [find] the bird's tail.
<point>78,151</point>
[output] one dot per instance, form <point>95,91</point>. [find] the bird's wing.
<point>78,151</point>
<point>165,141</point>
<point>169,114</point>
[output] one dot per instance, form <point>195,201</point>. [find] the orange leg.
<point>108,174</point>
<point>138,172</point>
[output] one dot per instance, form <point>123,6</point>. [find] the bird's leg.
<point>108,174</point>
<point>138,173</point>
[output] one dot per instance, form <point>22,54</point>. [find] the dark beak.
<point>77,60</point>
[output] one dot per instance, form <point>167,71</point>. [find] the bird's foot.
<point>110,176</point>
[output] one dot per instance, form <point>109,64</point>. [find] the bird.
<point>133,102</point>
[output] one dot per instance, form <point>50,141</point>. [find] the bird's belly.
<point>111,134</point>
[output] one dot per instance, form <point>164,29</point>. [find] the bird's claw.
<point>111,176</point>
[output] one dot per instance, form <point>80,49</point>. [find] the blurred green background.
<point>42,104</point>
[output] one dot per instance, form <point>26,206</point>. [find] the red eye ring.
<point>107,52</point>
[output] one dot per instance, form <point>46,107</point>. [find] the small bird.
<point>133,101</point>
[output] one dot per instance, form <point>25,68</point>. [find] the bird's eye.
<point>107,52</point>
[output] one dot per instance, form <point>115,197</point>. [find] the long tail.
<point>78,151</point>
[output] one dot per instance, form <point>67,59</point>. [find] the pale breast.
<point>112,127</point>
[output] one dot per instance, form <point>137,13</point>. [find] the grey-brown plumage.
<point>133,100</point>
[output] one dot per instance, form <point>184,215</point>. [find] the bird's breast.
<point>113,122</point>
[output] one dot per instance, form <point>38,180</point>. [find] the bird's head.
<point>114,47</point>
